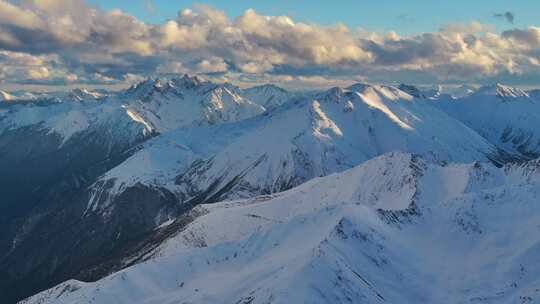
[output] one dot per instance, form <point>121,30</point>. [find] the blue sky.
<point>404,17</point>
<point>294,43</point>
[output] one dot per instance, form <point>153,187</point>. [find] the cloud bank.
<point>58,42</point>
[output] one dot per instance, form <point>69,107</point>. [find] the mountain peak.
<point>504,92</point>
<point>187,81</point>
<point>81,94</point>
<point>268,95</point>
<point>334,94</point>
<point>411,90</point>
<point>165,85</point>
<point>267,87</point>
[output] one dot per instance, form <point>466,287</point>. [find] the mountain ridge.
<point>347,238</point>
<point>161,148</point>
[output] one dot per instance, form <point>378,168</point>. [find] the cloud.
<point>38,73</point>
<point>18,66</point>
<point>254,67</point>
<point>473,27</point>
<point>507,16</point>
<point>67,41</point>
<point>529,38</point>
<point>11,14</point>
<point>211,65</point>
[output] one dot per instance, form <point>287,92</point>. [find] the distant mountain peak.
<point>411,90</point>
<point>268,95</point>
<point>504,92</point>
<point>81,94</point>
<point>268,87</point>
<point>359,87</point>
<point>187,81</point>
<point>384,91</point>
<point>165,85</point>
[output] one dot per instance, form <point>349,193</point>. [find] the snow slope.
<point>503,115</point>
<point>396,229</point>
<point>268,95</point>
<point>291,144</point>
<point>186,141</point>
<point>158,105</point>
<point>167,104</point>
<point>68,118</point>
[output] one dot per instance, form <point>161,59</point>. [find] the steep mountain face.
<point>505,93</point>
<point>69,141</point>
<point>85,94</point>
<point>65,146</point>
<point>268,95</point>
<point>125,171</point>
<point>165,105</point>
<point>285,147</point>
<point>379,232</point>
<point>412,90</point>
<point>501,114</point>
<point>50,154</point>
<point>336,130</point>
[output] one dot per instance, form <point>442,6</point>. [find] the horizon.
<point>122,87</point>
<point>58,45</point>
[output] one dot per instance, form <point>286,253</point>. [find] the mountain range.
<point>183,190</point>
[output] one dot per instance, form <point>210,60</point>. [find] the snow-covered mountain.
<point>310,137</point>
<point>123,172</point>
<point>84,94</point>
<point>70,139</point>
<point>505,93</point>
<point>268,95</point>
<point>501,114</point>
<point>159,105</point>
<point>17,96</point>
<point>396,229</point>
<point>412,90</point>
<point>167,104</point>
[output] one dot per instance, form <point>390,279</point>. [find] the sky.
<point>60,44</point>
<point>404,17</point>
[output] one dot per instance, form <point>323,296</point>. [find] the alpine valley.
<point>181,190</point>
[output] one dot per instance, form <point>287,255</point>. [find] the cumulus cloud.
<point>255,67</point>
<point>525,37</point>
<point>212,65</point>
<point>68,41</point>
<point>17,66</point>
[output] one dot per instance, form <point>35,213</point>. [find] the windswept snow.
<point>169,104</point>
<point>269,96</point>
<point>396,229</point>
<point>503,115</point>
<point>160,105</point>
<point>370,193</point>
<point>314,136</point>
